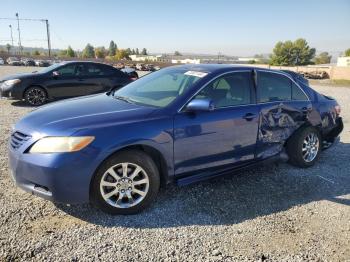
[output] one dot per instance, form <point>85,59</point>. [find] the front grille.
<point>17,139</point>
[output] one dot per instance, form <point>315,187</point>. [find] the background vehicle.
<point>14,61</point>
<point>68,79</point>
<point>28,62</point>
<point>2,61</point>
<point>131,72</point>
<point>183,124</point>
<point>42,63</point>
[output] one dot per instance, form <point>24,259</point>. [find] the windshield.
<point>159,88</point>
<point>50,68</point>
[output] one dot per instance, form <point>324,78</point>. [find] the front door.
<point>226,135</point>
<point>67,83</point>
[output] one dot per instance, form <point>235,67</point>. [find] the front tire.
<point>35,96</point>
<point>126,183</point>
<point>304,147</point>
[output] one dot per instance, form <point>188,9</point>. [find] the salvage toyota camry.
<point>181,124</point>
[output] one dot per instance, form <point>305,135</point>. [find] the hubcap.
<point>36,96</point>
<point>124,185</point>
<point>310,148</point>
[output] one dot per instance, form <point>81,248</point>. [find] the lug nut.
<point>123,190</point>
<point>129,188</point>
<point>130,181</point>
<point>118,185</point>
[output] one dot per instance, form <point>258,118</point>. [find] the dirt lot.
<point>273,213</point>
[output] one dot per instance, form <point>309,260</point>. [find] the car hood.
<point>19,76</point>
<point>68,116</point>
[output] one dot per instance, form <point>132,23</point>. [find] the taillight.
<point>133,78</point>
<point>337,109</point>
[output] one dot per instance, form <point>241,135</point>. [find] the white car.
<point>2,62</point>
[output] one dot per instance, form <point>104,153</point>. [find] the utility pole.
<point>11,35</point>
<point>48,37</point>
<point>19,35</point>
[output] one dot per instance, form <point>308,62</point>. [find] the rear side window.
<point>94,70</point>
<point>273,87</point>
<point>297,93</point>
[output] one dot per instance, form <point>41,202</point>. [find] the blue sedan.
<point>181,124</point>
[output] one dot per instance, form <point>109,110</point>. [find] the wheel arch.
<point>157,157</point>
<point>35,85</point>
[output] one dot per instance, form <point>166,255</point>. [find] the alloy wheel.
<point>36,96</point>
<point>124,185</point>
<point>311,145</point>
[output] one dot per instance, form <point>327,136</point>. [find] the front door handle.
<point>249,116</point>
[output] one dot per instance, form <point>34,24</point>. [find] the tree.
<point>70,52</point>
<point>8,48</point>
<point>323,58</point>
<point>290,53</point>
<point>36,53</point>
<point>177,53</point>
<point>100,52</point>
<point>122,54</point>
<point>133,52</point>
<point>112,50</point>
<point>144,51</point>
<point>347,52</point>
<point>137,52</point>
<point>128,50</point>
<point>88,51</point>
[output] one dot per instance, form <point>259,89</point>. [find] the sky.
<point>241,28</point>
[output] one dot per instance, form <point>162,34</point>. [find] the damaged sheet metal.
<point>277,123</point>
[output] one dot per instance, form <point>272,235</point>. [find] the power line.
<point>46,21</point>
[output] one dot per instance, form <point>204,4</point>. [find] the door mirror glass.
<point>200,105</point>
<point>55,73</point>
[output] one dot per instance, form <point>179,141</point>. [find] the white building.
<point>145,58</point>
<point>343,61</point>
<point>186,61</point>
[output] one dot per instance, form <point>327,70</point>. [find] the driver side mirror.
<point>55,74</point>
<point>203,104</point>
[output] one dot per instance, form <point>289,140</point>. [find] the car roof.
<point>222,68</point>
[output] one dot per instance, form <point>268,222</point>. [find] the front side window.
<point>230,90</point>
<point>68,70</point>
<point>273,87</point>
<point>159,88</point>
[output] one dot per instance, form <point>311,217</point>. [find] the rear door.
<point>224,136</point>
<point>283,107</point>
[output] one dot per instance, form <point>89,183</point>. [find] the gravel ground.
<point>271,213</point>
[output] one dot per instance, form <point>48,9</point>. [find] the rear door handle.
<point>249,116</point>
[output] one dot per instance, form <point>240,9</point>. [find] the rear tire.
<point>35,96</point>
<point>126,183</point>
<point>304,147</point>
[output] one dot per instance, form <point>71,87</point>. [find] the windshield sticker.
<point>196,73</point>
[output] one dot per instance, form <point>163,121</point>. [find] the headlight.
<point>60,144</point>
<point>11,82</point>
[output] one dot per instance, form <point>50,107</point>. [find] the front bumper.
<point>61,177</point>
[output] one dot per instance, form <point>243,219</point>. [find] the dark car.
<point>67,79</point>
<point>42,63</point>
<point>180,124</point>
<point>131,72</point>
<point>28,62</point>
